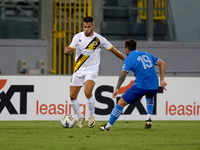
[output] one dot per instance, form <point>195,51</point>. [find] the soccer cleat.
<point>80,122</point>
<point>148,124</point>
<point>91,121</point>
<point>103,128</point>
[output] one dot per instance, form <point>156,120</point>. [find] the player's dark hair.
<point>130,44</point>
<point>88,19</point>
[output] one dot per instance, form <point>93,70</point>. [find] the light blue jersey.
<point>142,64</point>
<point>146,83</point>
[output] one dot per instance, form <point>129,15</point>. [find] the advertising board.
<point>47,98</point>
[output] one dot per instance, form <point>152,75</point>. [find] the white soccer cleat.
<point>91,121</point>
<point>80,122</point>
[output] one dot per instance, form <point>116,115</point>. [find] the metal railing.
<point>160,9</point>
<point>68,16</point>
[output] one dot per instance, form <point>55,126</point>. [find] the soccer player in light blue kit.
<point>146,82</point>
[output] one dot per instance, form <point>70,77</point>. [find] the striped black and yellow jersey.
<point>88,51</point>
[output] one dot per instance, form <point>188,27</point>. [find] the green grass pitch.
<point>124,135</point>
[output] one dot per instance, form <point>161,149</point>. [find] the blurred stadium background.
<point>35,73</point>
<point>33,33</point>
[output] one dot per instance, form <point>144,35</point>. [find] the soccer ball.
<point>68,121</point>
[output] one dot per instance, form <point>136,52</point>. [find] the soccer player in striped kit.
<point>88,45</point>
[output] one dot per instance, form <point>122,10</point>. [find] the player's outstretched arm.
<point>121,79</point>
<point>68,50</point>
<point>117,53</point>
<point>161,65</point>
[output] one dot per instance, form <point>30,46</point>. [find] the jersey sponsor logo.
<point>82,58</point>
<point>93,44</point>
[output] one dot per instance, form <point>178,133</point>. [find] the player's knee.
<point>122,103</point>
<point>88,94</point>
<point>73,96</point>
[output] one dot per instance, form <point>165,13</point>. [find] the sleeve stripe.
<point>72,47</point>
<point>110,47</point>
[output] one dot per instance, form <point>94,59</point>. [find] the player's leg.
<point>130,96</point>
<point>74,90</point>
<point>116,112</point>
<point>76,83</point>
<point>150,104</point>
<point>89,85</point>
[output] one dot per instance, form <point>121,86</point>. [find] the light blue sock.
<point>116,112</point>
<point>150,104</point>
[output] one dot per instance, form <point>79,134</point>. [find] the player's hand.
<point>163,84</point>
<point>115,93</point>
<point>67,51</point>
